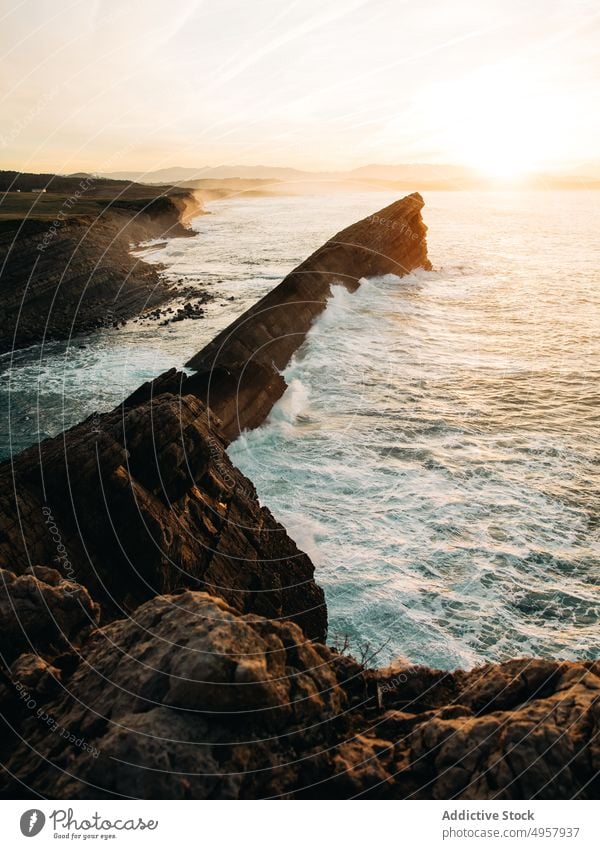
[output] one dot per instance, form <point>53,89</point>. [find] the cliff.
<point>144,501</point>
<point>161,635</point>
<point>238,372</point>
<point>188,699</point>
<point>65,261</point>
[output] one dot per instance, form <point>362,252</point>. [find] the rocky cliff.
<point>189,699</point>
<point>144,501</point>
<point>238,372</point>
<point>161,635</point>
<point>66,271</point>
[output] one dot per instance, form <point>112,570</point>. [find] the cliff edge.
<point>66,266</point>
<point>161,636</point>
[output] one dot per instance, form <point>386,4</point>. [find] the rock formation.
<point>143,501</point>
<point>202,702</point>
<point>238,372</point>
<point>67,275</point>
<point>42,609</point>
<point>161,636</point>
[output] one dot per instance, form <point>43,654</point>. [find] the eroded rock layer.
<point>238,372</point>
<point>143,501</point>
<point>161,636</point>
<point>190,699</point>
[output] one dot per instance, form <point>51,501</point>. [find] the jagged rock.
<point>545,747</point>
<point>190,699</point>
<point>75,274</point>
<point>238,372</point>
<point>196,696</point>
<point>35,675</point>
<point>186,682</point>
<point>143,501</point>
<point>42,610</point>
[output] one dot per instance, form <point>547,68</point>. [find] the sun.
<point>500,152</point>
<point>496,122</point>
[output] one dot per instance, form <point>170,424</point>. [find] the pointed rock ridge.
<point>135,503</point>
<point>238,373</point>
<point>144,500</point>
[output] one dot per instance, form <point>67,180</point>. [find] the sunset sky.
<point>504,86</point>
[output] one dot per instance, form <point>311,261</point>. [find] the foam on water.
<point>436,450</point>
<point>434,454</point>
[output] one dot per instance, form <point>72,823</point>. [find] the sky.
<point>503,86</point>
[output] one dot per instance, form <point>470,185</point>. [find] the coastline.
<point>153,479</point>
<point>66,261</point>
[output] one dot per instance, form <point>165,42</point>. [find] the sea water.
<point>436,451</point>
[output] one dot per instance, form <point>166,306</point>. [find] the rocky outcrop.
<point>238,372</point>
<point>143,501</point>
<point>208,677</point>
<point>42,610</point>
<point>238,375</point>
<point>190,699</point>
<point>68,275</point>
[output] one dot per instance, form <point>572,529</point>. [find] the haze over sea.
<point>436,451</point>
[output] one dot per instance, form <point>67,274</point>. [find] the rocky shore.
<point>238,372</point>
<point>162,636</point>
<point>66,266</point>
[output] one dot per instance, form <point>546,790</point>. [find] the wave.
<point>424,498</point>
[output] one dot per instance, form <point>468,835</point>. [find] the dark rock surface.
<point>41,609</point>
<point>189,699</point>
<point>238,372</point>
<point>59,279</point>
<point>208,677</point>
<point>143,501</point>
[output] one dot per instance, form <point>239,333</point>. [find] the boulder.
<point>42,610</point>
<point>189,699</point>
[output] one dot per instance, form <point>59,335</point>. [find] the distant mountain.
<point>423,176</point>
<point>220,172</point>
<point>262,172</point>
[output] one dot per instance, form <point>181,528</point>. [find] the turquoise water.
<point>242,250</point>
<point>435,453</point>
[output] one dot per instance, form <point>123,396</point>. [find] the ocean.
<point>436,451</point>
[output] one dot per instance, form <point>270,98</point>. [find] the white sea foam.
<point>435,452</point>
<point>426,455</point>
<point>294,404</point>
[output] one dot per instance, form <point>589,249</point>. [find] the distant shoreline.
<point>66,266</point>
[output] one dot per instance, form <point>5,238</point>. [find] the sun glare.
<point>497,123</point>
<point>498,152</point>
